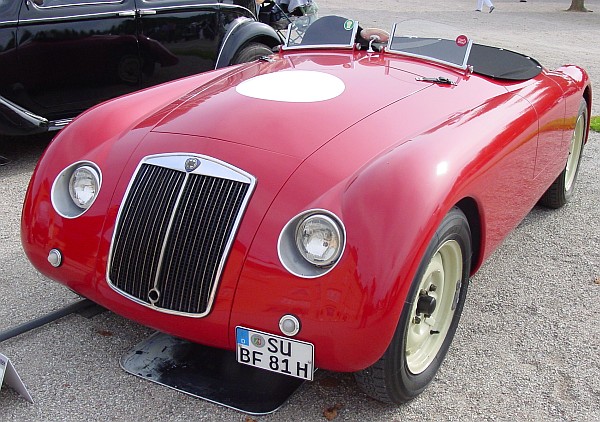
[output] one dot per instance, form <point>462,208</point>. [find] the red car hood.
<point>290,105</point>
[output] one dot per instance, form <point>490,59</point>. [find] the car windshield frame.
<point>334,31</point>
<point>461,48</point>
<point>440,44</point>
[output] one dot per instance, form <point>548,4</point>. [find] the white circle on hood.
<point>294,86</point>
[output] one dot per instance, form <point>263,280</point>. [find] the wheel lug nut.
<point>432,288</point>
<point>417,320</point>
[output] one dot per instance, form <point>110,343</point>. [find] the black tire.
<point>561,190</point>
<point>406,368</point>
<point>250,52</point>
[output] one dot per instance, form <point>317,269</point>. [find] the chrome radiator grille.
<point>174,232</point>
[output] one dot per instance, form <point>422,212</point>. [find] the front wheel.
<point>251,52</point>
<point>561,190</point>
<point>429,317</point>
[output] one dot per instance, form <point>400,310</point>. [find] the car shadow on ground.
<point>17,150</point>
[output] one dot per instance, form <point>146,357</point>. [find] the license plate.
<point>275,353</point>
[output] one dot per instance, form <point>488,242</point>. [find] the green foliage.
<point>595,123</point>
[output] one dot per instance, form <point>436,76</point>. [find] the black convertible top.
<point>502,64</point>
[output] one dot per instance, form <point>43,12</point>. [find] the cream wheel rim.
<point>434,306</point>
<point>574,152</point>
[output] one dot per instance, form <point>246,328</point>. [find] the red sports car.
<point>322,207</point>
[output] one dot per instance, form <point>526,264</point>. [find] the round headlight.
<point>319,240</point>
<point>83,186</point>
<point>75,189</point>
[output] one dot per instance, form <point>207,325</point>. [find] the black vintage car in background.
<point>60,57</point>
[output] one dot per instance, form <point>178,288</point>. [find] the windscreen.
<point>328,31</point>
<point>446,44</point>
<point>447,47</point>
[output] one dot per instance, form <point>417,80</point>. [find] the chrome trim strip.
<point>391,38</point>
<point>90,3</point>
<point>319,47</point>
<point>58,124</point>
<point>182,6</point>
<point>74,17</point>
<point>235,6</point>
<point>23,113</point>
<point>119,13</point>
<point>467,54</point>
<point>163,248</point>
<point>210,167</point>
<point>192,5</point>
<point>238,22</point>
<point>429,59</point>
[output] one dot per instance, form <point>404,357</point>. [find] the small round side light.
<point>289,325</point>
<point>55,258</point>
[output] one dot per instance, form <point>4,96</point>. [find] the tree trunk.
<point>577,6</point>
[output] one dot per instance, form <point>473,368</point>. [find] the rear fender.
<point>575,84</point>
<point>242,31</point>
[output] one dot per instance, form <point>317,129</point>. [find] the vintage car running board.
<point>54,125</point>
<point>208,373</point>
<point>83,307</point>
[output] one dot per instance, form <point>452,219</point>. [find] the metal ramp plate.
<point>208,373</point>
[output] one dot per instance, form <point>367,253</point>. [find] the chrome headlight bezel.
<point>63,194</point>
<point>294,254</point>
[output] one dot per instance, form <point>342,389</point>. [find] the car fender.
<point>91,137</point>
<point>359,301</point>
<point>391,204</point>
<point>351,312</point>
<point>574,80</point>
<point>139,105</point>
<point>242,31</point>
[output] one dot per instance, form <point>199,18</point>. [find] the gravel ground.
<point>528,344</point>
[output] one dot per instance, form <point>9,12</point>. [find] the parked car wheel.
<point>251,52</point>
<point>429,318</point>
<point>561,190</point>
